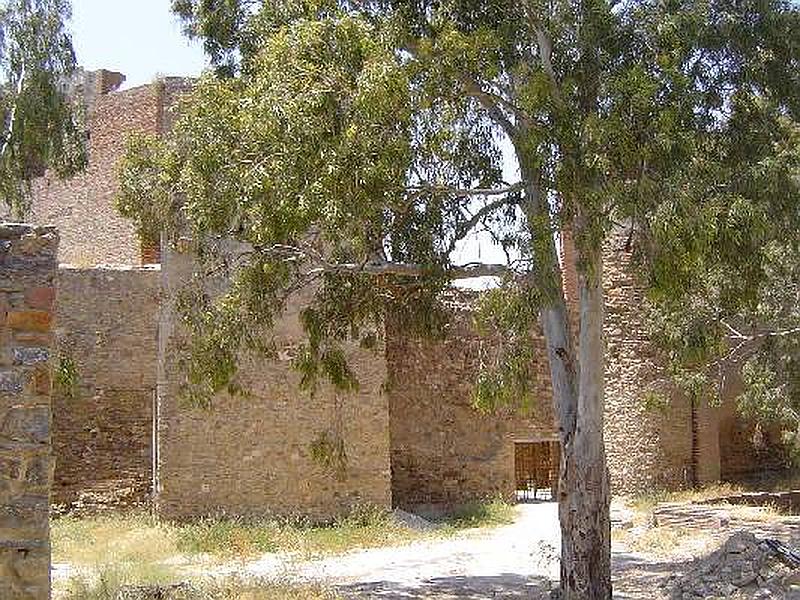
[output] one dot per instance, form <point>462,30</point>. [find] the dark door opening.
<point>536,470</point>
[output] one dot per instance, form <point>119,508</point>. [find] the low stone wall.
<point>443,450</point>
<point>103,399</point>
<point>251,455</point>
<point>27,292</point>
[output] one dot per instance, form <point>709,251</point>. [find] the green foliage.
<point>39,127</point>
<point>508,316</point>
<point>66,376</point>
<point>336,138</point>
<point>328,450</point>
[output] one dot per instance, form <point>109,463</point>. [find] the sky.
<point>138,38</point>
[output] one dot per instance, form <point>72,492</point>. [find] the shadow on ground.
<point>640,578</point>
<point>505,585</point>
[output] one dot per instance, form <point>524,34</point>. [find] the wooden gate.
<point>536,470</point>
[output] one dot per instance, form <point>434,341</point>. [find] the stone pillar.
<point>27,295</point>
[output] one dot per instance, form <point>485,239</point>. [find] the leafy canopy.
<point>352,146</point>
<point>39,126</point>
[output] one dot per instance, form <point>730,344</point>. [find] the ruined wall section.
<point>27,292</point>
<point>648,444</point>
<point>85,203</point>
<point>82,207</point>
<point>251,455</point>
<point>679,444</point>
<point>103,416</point>
<point>747,450</point>
<point>443,450</point>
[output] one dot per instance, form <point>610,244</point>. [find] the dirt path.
<point>518,561</point>
<point>515,561</point>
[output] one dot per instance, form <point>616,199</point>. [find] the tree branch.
<point>462,192</point>
<point>464,228</point>
<point>7,137</point>
<point>489,103</point>
<point>746,344</point>
<point>319,264</point>
<point>465,271</point>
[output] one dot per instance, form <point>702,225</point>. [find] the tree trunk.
<point>583,495</point>
<point>584,498</point>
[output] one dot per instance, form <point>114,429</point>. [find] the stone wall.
<point>747,451</point>
<point>27,292</point>
<point>646,447</point>
<point>251,455</point>
<point>443,450</point>
<point>677,444</point>
<point>85,202</point>
<point>102,422</point>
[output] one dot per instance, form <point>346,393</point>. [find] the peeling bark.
<point>585,495</point>
<point>578,381</point>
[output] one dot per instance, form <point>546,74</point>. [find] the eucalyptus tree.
<point>351,147</point>
<point>39,126</point>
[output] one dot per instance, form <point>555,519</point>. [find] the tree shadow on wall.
<point>505,585</point>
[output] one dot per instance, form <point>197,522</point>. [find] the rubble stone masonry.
<point>27,296</point>
<point>251,455</point>
<point>647,445</point>
<point>103,420</point>
<point>443,450</point>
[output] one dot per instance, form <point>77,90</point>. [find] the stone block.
<point>40,298</point>
<point>11,382</point>
<point>27,272</point>
<point>27,424</point>
<point>10,466</point>
<point>24,573</point>
<point>29,320</point>
<point>22,519</point>
<point>26,338</point>
<point>29,356</point>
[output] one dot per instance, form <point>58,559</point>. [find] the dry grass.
<point>142,538</point>
<point>134,538</point>
<point>647,502</point>
<point>666,541</point>
<point>114,550</point>
<point>112,585</point>
<point>761,514</point>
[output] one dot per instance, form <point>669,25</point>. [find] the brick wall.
<point>85,203</point>
<point>27,292</point>
<point>102,426</point>
<point>443,450</point>
<point>252,454</point>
